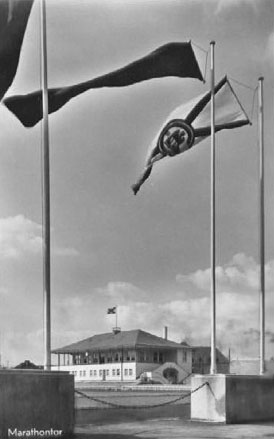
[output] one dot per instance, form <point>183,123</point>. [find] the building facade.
<point>201,359</point>
<point>125,356</point>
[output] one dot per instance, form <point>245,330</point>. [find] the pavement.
<point>165,421</point>
<point>132,425</point>
<point>174,428</point>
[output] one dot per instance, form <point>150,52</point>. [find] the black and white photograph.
<point>136,219</point>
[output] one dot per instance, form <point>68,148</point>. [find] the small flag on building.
<point>14,15</point>
<point>189,124</point>
<point>172,59</point>
<point>111,310</point>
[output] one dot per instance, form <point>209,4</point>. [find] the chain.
<point>111,404</point>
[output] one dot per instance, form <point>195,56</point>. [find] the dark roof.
<point>27,365</point>
<point>206,350</point>
<point>125,339</point>
<point>185,344</point>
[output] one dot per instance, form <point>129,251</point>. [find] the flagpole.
<point>213,233</point>
<point>262,231</point>
<point>45,194</point>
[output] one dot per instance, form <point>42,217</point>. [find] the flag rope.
<point>206,60</point>
<point>242,83</point>
<point>254,89</point>
<point>253,103</point>
<point>199,47</point>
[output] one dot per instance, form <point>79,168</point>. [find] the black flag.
<point>172,59</point>
<point>14,15</point>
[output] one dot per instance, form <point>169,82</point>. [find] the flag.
<point>112,310</point>
<point>14,15</point>
<point>172,59</point>
<point>189,124</point>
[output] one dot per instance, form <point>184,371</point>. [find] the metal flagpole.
<point>262,232</point>
<point>45,194</point>
<point>213,245</point>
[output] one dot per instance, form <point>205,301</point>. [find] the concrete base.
<point>232,398</point>
<point>36,401</point>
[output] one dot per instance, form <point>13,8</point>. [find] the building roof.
<point>125,339</point>
<point>28,365</point>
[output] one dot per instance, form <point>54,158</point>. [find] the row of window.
<point>102,372</point>
<point>101,358</point>
<point>144,356</point>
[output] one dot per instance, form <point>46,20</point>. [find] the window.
<point>84,373</point>
<point>126,372</point>
<point>100,372</point>
<point>161,357</point>
<point>155,357</point>
<point>90,373</point>
<point>118,372</point>
<point>130,372</point>
<point>95,373</point>
<point>80,373</point>
<point>113,372</point>
<point>184,356</point>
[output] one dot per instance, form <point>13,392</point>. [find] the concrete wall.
<point>208,403</point>
<point>249,398</point>
<point>232,398</point>
<point>36,400</point>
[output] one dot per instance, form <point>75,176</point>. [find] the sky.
<point>149,254</point>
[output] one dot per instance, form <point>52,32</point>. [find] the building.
<point>27,364</point>
<point>201,359</point>
<point>125,356</point>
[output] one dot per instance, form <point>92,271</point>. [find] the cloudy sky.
<point>149,254</point>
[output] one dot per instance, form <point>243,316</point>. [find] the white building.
<point>125,356</point>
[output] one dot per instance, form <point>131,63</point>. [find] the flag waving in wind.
<point>14,15</point>
<point>172,59</point>
<point>111,310</point>
<point>189,124</point>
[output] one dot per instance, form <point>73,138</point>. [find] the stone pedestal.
<point>232,398</point>
<point>34,402</point>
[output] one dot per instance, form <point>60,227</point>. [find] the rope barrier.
<point>111,404</point>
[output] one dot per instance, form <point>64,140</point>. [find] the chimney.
<point>165,332</point>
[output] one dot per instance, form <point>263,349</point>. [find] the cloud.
<point>224,5</point>
<point>269,51</point>
<point>122,292</point>
<point>241,273</point>
<point>20,236</point>
<point>18,346</point>
<point>188,317</point>
<point>3,291</point>
<point>65,251</point>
